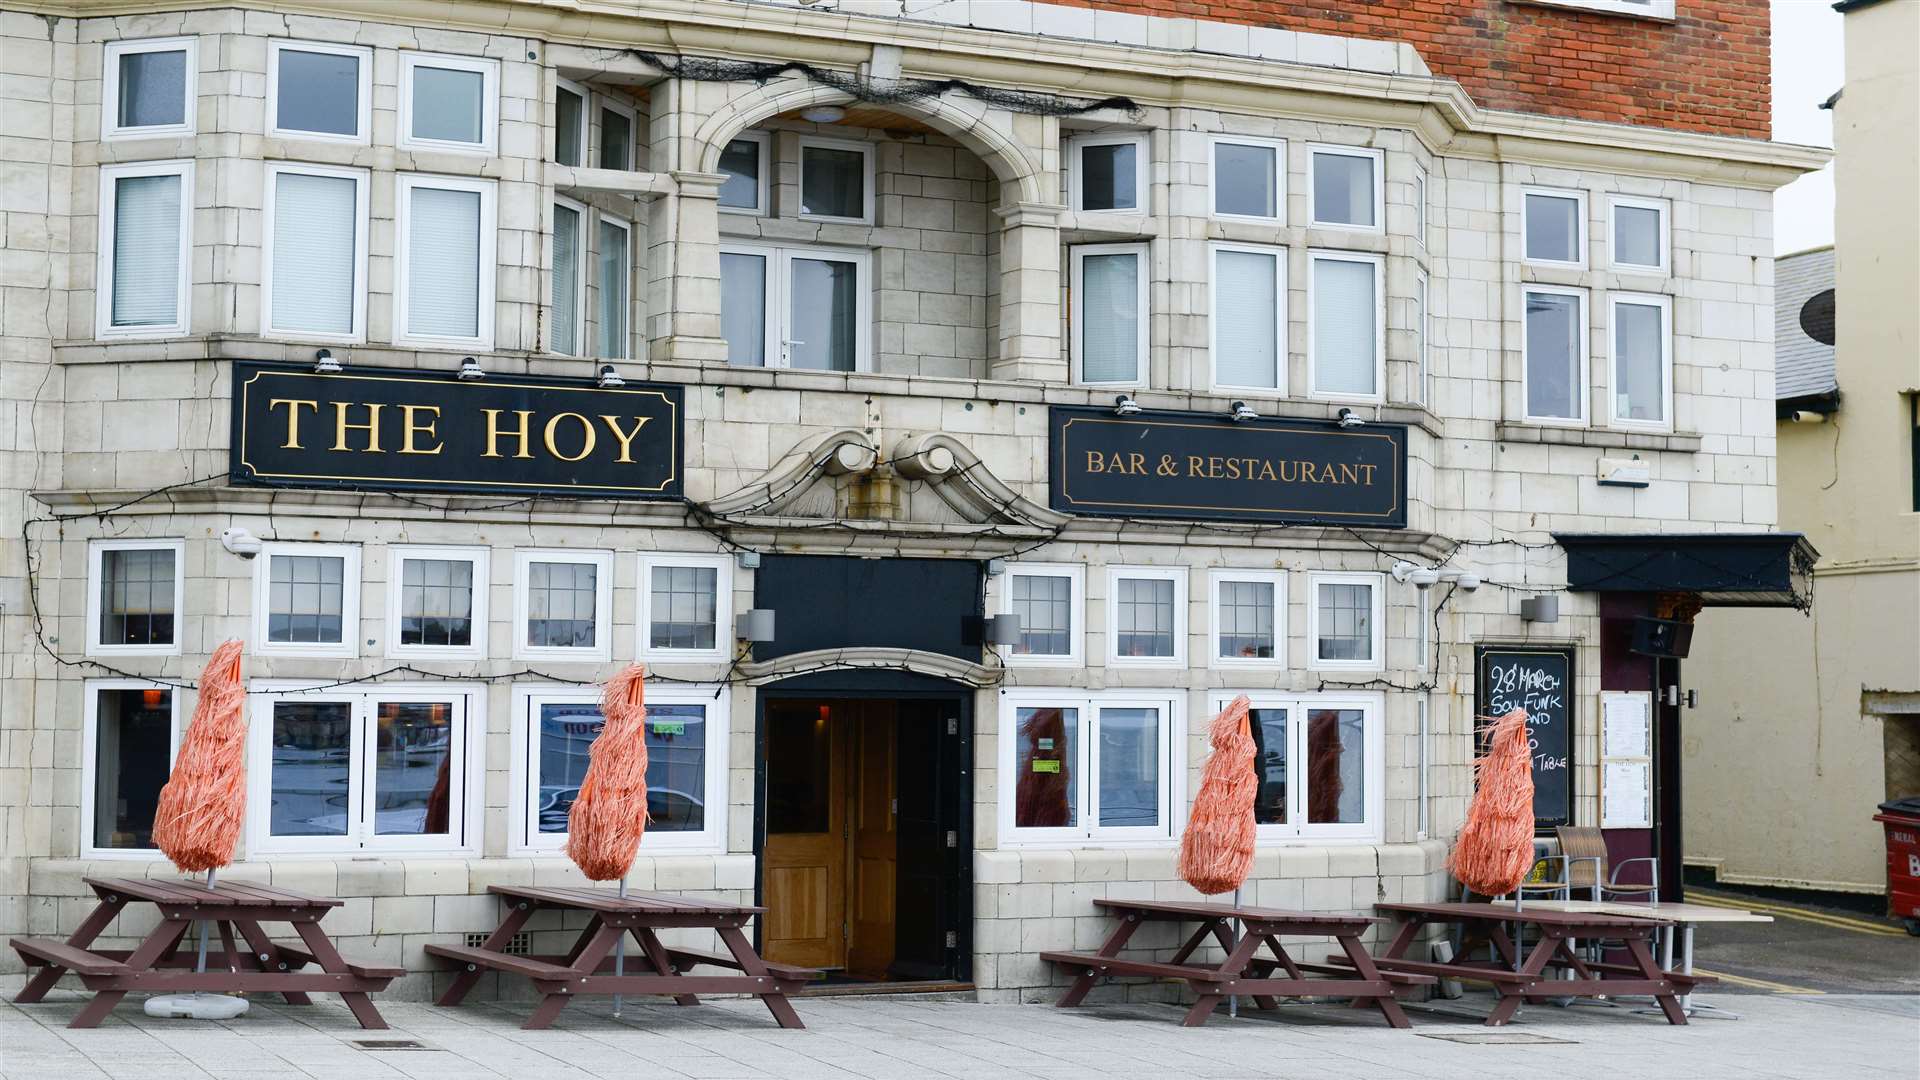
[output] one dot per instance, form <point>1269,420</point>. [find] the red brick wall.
<point>1708,70</point>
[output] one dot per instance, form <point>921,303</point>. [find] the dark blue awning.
<point>1722,569</point>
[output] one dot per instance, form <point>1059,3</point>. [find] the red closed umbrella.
<point>609,816</point>
<point>203,805</point>
<point>1216,851</point>
<point>1495,848</point>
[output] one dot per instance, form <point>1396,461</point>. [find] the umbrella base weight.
<point>196,1006</point>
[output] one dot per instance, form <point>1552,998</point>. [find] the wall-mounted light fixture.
<point>1003,630</point>
<point>756,626</point>
<point>1540,609</point>
<point>609,378</point>
<point>1240,412</point>
<point>324,363</point>
<point>747,560</point>
<point>1125,406</point>
<point>1348,418</point>
<point>470,370</point>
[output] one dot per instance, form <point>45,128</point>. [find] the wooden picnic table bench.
<point>160,963</point>
<point>1243,971</point>
<point>588,968</point>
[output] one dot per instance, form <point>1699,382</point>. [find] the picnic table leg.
<point>156,945</point>
<point>264,953</point>
<point>517,915</point>
<point>1643,958</point>
<point>657,956</point>
<point>42,980</point>
<point>1116,941</point>
<point>750,962</point>
<point>1512,997</point>
<point>1262,1001</point>
<point>595,943</point>
<point>1363,966</point>
<point>330,961</point>
<point>1234,966</point>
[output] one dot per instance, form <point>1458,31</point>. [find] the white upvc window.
<point>136,592</point>
<point>444,280</point>
<point>1147,616</point>
<point>1319,762</point>
<point>449,103</point>
<point>1111,314</point>
<point>437,602</point>
<point>306,600</point>
<point>1345,187</point>
<point>1644,9</point>
<point>1639,236</point>
<point>1346,622</point>
<point>1420,208</point>
<point>1051,601</point>
<point>319,90</point>
<point>1421,390</point>
<point>1247,625</point>
<point>1553,227</point>
<point>613,282</point>
<point>686,608</point>
<point>802,307</point>
<point>563,605</point>
<point>618,133</point>
<point>567,331</point>
<point>1248,320</point>
<point>313,275</point>
<point>1248,178</point>
<point>1346,332</point>
<point>687,729</point>
<point>1642,351</point>
<point>1109,172</point>
<point>570,123</point>
<point>127,745</point>
<point>395,767</point>
<point>836,180</point>
<point>1103,766</point>
<point>149,88</point>
<point>746,163</point>
<point>1553,355</point>
<point>143,283</point>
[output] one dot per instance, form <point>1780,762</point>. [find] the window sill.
<point>1605,438</point>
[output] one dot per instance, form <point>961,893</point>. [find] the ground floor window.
<point>128,745</point>
<point>686,733</point>
<point>1318,760</point>
<point>1075,766</point>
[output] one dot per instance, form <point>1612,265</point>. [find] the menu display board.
<point>1538,679</point>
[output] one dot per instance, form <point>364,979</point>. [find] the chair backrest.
<point>1581,844</point>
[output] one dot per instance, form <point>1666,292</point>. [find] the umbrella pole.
<point>620,954</point>
<point>1233,1000</point>
<point>200,966</point>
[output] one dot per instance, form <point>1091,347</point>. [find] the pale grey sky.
<point>1807,69</point>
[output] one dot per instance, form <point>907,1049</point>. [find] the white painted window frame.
<point>866,152</point>
<point>1661,10</point>
<point>1660,206</point>
<point>1379,264</point>
<point>1276,578</point>
<point>626,337</point>
<point>1076,575</point>
<point>1279,149</point>
<point>103,273</point>
<point>583,256</point>
<point>764,207</point>
<point>602,650</point>
<point>586,121</point>
<point>489,254</point>
<point>1665,304</point>
<point>358,333</point>
<point>1420,208</point>
<point>110,129</point>
<point>723,636</point>
<point>480,558</point>
<point>89,755</point>
<point>487,69</point>
<point>96,553</point>
<point>349,645</point>
<point>1280,322</point>
<point>779,281</point>
<point>1298,830</point>
<point>364,68</point>
<point>524,768</point>
<point>1142,170</point>
<point>1373,154</point>
<point>1173,778</point>
<point>1586,356</point>
<point>1423,345</point>
<point>1582,238</point>
<point>1377,649</point>
<point>1175,574</point>
<point>1076,259</point>
<point>622,109</point>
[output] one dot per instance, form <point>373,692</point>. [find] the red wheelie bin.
<point>1902,820</point>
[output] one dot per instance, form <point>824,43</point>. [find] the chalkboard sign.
<point>1539,680</point>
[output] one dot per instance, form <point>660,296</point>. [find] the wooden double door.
<point>860,856</point>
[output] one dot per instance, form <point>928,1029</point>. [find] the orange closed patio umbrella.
<point>1216,850</point>
<point>1495,847</point>
<point>609,816</point>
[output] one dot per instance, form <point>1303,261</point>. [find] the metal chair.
<point>1585,864</point>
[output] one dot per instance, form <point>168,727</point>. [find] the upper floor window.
<point>744,161</point>
<point>1249,178</point>
<point>1646,9</point>
<point>1554,354</point>
<point>444,288</point>
<point>1110,172</point>
<point>1346,187</point>
<point>1344,329</point>
<point>1109,316</point>
<point>616,278</point>
<point>1638,237</point>
<point>616,136</point>
<point>137,588</point>
<point>569,124</point>
<point>686,607</point>
<point>148,88</point>
<point>836,180</point>
<point>1554,227</point>
<point>314,266</point>
<point>1642,360</point>
<point>448,102</point>
<point>1420,208</point>
<point>1422,369</point>
<point>795,307</point>
<point>569,276</point>
<point>1347,622</point>
<point>1249,318</point>
<point>146,236</point>
<point>1051,603</point>
<point>1146,616</point>
<point>306,600</point>
<point>437,602</point>
<point>1079,766</point>
<point>319,90</point>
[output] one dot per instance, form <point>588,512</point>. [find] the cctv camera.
<point>241,542</point>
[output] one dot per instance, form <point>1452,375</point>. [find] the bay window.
<point>686,608</point>
<point>306,600</point>
<point>1110,314</point>
<point>319,90</point>
<point>1319,762</point>
<point>616,274</point>
<point>569,277</point>
<point>1642,360</point>
<point>1345,346</point>
<point>444,278</point>
<point>1422,368</point>
<point>804,307</point>
<point>127,745</point>
<point>437,602</point>
<point>1146,616</point>
<point>1077,766</point>
<point>616,136</point>
<point>1249,618</point>
<point>1249,178</point>
<point>569,124</point>
<point>562,605</point>
<point>148,88</point>
<point>314,266</point>
<point>1249,318</point>
<point>135,589</point>
<point>1109,173</point>
<point>1346,622</point>
<point>1638,236</point>
<point>1050,600</point>
<point>1553,227</point>
<point>142,284</point>
<point>1346,188</point>
<point>448,103</point>
<point>1554,355</point>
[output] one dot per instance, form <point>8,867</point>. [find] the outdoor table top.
<point>609,902</point>
<point>1539,916</point>
<point>1665,911</point>
<point>1207,909</point>
<point>240,894</point>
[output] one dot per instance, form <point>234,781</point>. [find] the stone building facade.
<point>940,251</point>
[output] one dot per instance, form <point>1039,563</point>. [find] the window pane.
<point>825,314</point>
<point>314,259</point>
<point>741,162</point>
<point>1336,767</point>
<point>318,92</point>
<point>614,276</point>
<point>1110,318</point>
<point>1343,189</point>
<point>616,140</point>
<point>1553,355</point>
<point>1144,624</point>
<point>1270,765</point>
<point>1553,228</point>
<point>436,602</point>
<point>682,607</point>
<point>132,749</point>
<point>566,279</point>
<point>676,768</point>
<point>443,247</point>
<point>561,605</point>
<point>569,113</point>
<point>1420,340</point>
<point>833,182</point>
<point>1636,236</point>
<point>412,762</point>
<point>1244,180</point>
<point>1246,619</point>
<point>1344,335</point>
<point>1108,175</point>
<point>136,597</point>
<point>743,308</point>
<point>146,250</point>
<point>448,104</point>
<point>1044,604</point>
<point>153,88</point>
<point>1246,328</point>
<point>1639,357</point>
<point>800,737</point>
<point>305,604</point>
<point>1129,767</point>
<point>1346,621</point>
<point>1046,796</point>
<point>312,749</point>
<point>567,732</point>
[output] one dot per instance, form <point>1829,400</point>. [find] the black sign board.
<point>1538,679</point>
<point>396,429</point>
<point>1202,466</point>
